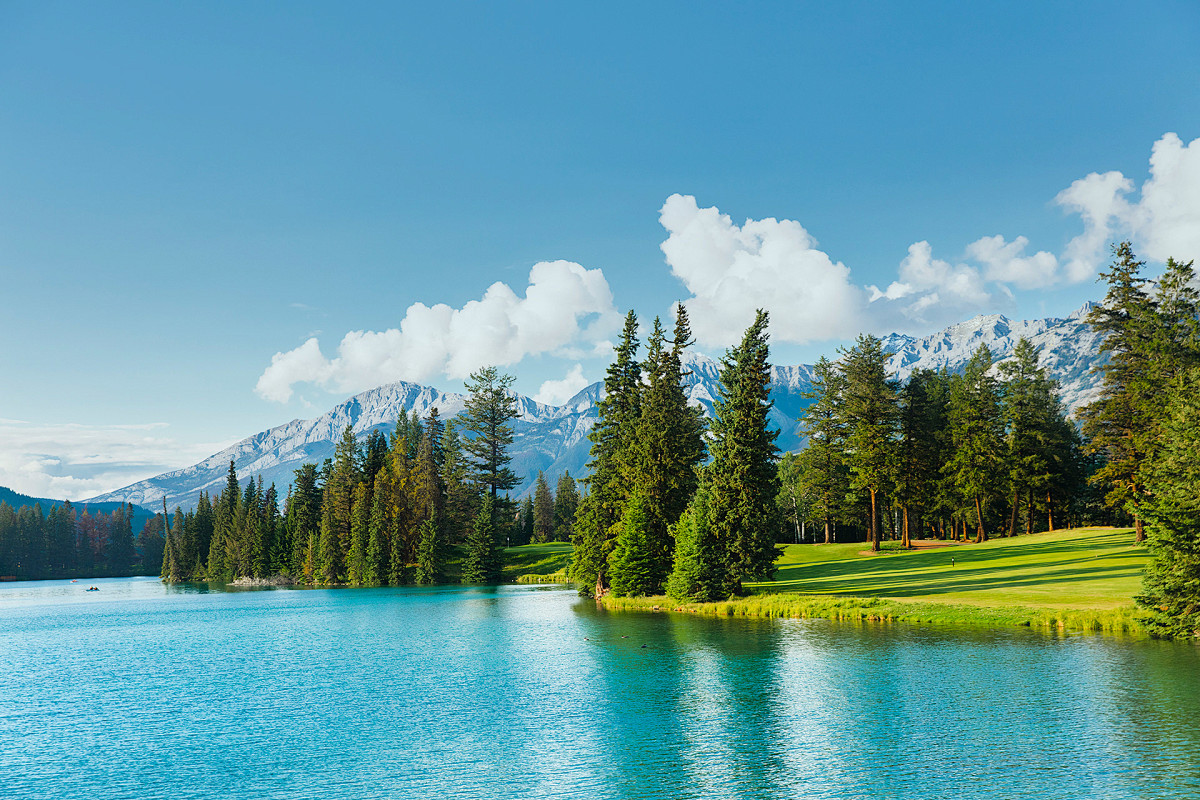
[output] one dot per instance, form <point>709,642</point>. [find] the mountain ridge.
<point>554,438</point>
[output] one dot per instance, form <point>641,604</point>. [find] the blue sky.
<point>190,190</point>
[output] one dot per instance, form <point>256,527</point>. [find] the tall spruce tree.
<point>632,568</point>
<point>525,520</point>
<point>700,572</point>
<point>224,524</point>
<point>543,510</point>
<point>612,437</point>
<point>1120,423</point>
<point>431,554</point>
<point>870,414</point>
<point>1029,409</point>
<point>484,558</point>
<point>922,418</point>
<point>823,471</point>
<point>357,569</point>
<point>668,441</point>
<point>1171,583</point>
<point>976,465</point>
<point>487,420</point>
<point>303,518</point>
<point>744,486</point>
<point>566,502</point>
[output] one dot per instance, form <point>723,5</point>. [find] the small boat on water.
<point>92,589</point>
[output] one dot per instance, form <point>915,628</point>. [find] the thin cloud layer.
<point>567,311</point>
<point>73,462</point>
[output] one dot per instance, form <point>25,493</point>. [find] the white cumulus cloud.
<point>555,393</point>
<point>1162,221</point>
<point>1006,262</point>
<point>566,310</point>
<point>772,264</point>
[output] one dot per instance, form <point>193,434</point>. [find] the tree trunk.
<point>1012,522</point>
<point>1139,530</point>
<point>828,531</point>
<point>982,535</point>
<point>1029,511</point>
<point>874,524</point>
<point>796,514</point>
<point>1049,512</point>
<point>905,543</point>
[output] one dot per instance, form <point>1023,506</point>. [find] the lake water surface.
<point>146,691</point>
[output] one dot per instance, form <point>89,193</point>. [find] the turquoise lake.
<point>145,691</point>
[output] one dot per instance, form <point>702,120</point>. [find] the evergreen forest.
<point>677,504</point>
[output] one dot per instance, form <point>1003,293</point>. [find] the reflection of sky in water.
<point>142,690</point>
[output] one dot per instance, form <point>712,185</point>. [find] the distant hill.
<point>554,438</point>
<point>18,500</point>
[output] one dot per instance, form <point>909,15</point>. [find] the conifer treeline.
<point>66,543</point>
<point>942,455</point>
<point>383,512</point>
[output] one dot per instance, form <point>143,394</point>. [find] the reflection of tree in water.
<point>731,674</point>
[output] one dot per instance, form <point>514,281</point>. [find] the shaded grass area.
<point>537,563</point>
<point>1078,580</point>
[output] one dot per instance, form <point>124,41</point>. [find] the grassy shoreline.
<point>1079,580</point>
<point>1123,620</point>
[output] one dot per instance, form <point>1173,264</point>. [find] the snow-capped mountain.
<point>1069,349</point>
<point>554,438</point>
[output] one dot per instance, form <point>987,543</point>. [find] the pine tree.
<point>822,465</point>
<point>483,560</point>
<point>871,415</point>
<point>668,443</point>
<point>461,497</point>
<point>632,567</point>
<point>198,539</point>
<point>376,564</point>
<point>744,484</point>
<point>120,552</point>
<point>360,531</point>
<point>170,571</point>
<point>431,555</point>
<point>566,503</point>
<point>1030,411</point>
<point>491,408</point>
<point>303,518</point>
<point>1171,583</point>
<point>1120,423</point>
<point>700,573</point>
<point>543,510</point>
<point>922,420</point>
<point>976,464</point>
<point>612,438</point>
<point>525,526</point>
<point>224,525</point>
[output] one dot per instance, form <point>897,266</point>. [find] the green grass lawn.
<point>537,563</point>
<point>1081,580</point>
<point>1086,568</point>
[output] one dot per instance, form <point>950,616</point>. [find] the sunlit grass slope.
<point>1082,579</point>
<point>537,563</point>
<point>1086,568</point>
